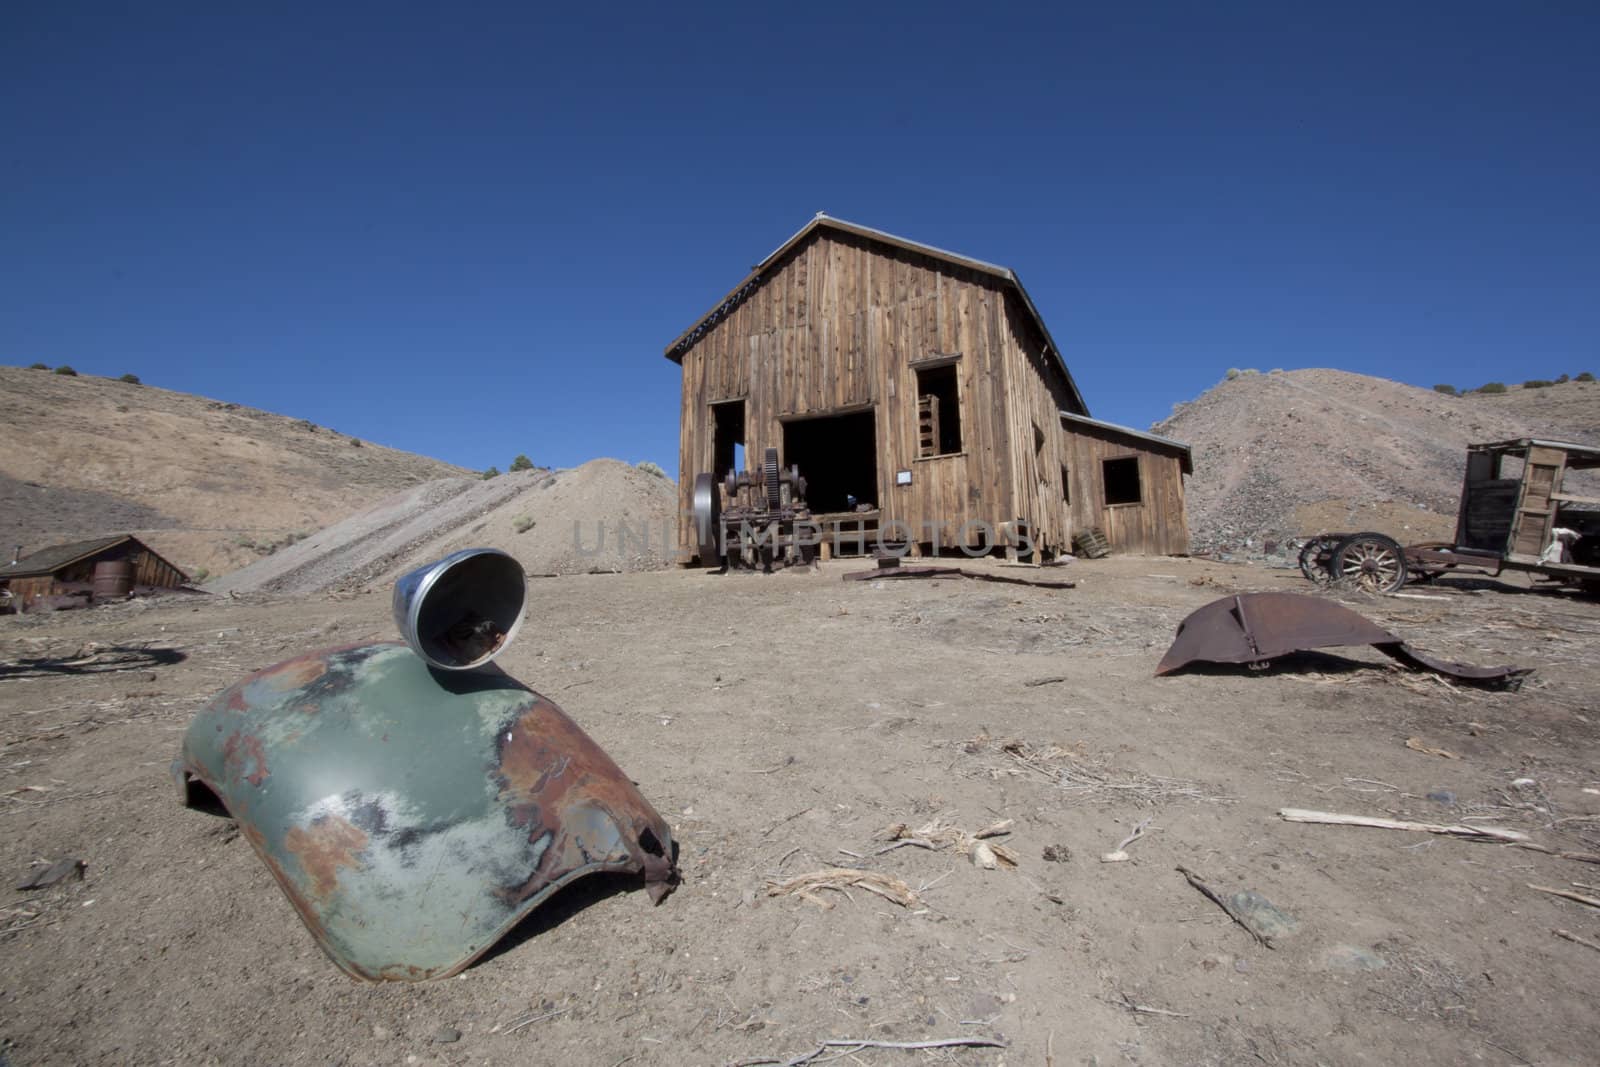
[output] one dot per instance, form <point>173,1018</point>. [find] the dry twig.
<point>1222,902</point>
<point>1451,829</point>
<point>1581,898</point>
<point>1575,939</point>
<point>857,1044</point>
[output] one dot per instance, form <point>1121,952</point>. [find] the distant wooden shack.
<point>70,568</point>
<point>916,390</point>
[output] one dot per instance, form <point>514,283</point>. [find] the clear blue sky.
<point>469,230</point>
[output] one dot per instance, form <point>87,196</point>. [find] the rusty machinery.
<point>766,519</point>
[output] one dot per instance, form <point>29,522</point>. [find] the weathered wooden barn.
<point>71,568</point>
<point>917,390</point>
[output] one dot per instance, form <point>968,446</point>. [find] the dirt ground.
<point>781,723</point>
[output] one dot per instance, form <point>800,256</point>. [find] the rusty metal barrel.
<point>113,579</point>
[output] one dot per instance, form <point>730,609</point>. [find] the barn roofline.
<point>685,340</point>
<point>1185,457</point>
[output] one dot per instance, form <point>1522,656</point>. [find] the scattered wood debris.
<point>950,572</point>
<point>839,879</point>
<point>1416,744</point>
<point>940,834</point>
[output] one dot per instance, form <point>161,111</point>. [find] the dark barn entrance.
<point>838,457</point>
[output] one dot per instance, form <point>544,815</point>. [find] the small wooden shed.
<point>70,568</point>
<point>1128,484</point>
<point>917,390</point>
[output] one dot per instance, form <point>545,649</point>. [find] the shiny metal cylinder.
<point>462,611</point>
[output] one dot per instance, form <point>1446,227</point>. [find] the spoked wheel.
<point>1371,560</point>
<point>1316,557</point>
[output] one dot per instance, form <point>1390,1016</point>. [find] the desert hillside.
<point>1289,453</point>
<point>208,484</point>
<point>553,522</point>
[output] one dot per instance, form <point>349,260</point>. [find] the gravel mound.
<point>1269,446</point>
<point>603,516</point>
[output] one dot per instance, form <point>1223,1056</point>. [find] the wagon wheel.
<point>1374,562</point>
<point>1316,557</point>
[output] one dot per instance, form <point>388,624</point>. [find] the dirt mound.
<point>208,484</point>
<point>1287,454</point>
<point>603,516</point>
<point>1570,410</point>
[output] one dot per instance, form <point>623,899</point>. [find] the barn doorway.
<point>838,457</point>
<point>727,438</point>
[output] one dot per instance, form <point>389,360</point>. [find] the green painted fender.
<point>414,817</point>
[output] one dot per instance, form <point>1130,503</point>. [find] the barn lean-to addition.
<point>919,392</point>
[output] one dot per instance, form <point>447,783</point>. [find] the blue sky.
<point>469,230</point>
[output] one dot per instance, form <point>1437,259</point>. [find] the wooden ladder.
<point>928,425</point>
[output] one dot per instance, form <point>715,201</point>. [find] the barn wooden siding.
<point>1156,525</point>
<point>842,322</point>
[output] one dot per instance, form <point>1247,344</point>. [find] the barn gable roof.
<point>686,340</point>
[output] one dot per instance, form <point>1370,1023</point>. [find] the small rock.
<point>1352,958</point>
<point>1241,965</point>
<point>1057,854</point>
<point>446,1035</point>
<point>1263,915</point>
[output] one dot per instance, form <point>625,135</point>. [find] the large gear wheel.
<point>773,480</point>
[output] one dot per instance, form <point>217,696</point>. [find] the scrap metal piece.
<point>59,871</point>
<point>1255,628</point>
<point>412,816</point>
<point>461,612</point>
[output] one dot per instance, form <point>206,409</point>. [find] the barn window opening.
<point>1066,486</point>
<point>1122,480</point>
<point>938,411</point>
<point>838,457</point>
<point>727,438</point>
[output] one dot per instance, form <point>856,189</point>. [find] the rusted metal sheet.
<point>413,817</point>
<point>1256,628</point>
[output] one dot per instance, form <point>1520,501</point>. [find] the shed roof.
<point>1184,455</point>
<point>52,559</point>
<point>1579,456</point>
<point>684,341</point>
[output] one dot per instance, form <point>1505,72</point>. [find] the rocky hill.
<point>206,483</point>
<point>1292,453</point>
